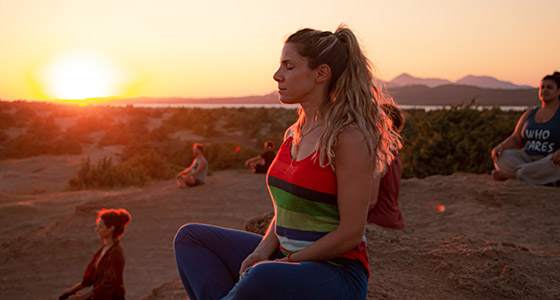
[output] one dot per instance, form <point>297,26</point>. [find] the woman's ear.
<point>323,73</point>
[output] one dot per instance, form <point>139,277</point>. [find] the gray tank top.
<point>202,175</point>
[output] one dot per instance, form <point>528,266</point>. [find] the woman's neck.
<point>109,242</point>
<point>311,105</point>
<point>311,112</point>
<point>551,105</point>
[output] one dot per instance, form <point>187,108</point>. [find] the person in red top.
<point>105,271</point>
<point>384,208</point>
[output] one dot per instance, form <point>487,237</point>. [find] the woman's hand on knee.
<point>252,259</point>
<point>496,152</point>
<point>556,158</point>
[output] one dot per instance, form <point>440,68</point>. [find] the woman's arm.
<point>85,296</point>
<point>556,158</point>
<point>354,171</point>
<point>254,159</point>
<point>264,250</point>
<point>374,194</point>
<point>70,291</point>
<point>514,141</point>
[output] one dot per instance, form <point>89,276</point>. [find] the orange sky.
<point>222,48</point>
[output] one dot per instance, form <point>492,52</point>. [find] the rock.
<point>259,224</point>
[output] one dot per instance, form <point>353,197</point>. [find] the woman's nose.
<point>277,76</point>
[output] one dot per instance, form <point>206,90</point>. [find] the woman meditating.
<point>105,271</point>
<point>320,183</point>
<point>261,163</point>
<point>538,134</point>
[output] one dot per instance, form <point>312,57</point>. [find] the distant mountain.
<point>405,89</point>
<point>452,94</point>
<point>470,80</point>
<point>489,82</point>
<point>419,95</point>
<point>406,80</point>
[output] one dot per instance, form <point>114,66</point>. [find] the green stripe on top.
<point>303,221</point>
<point>293,203</point>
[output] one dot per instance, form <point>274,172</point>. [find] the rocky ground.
<point>466,237</point>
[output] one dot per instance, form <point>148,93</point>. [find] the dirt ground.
<point>466,237</point>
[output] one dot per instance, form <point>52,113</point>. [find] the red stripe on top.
<point>306,173</point>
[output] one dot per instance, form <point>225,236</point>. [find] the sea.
<point>295,106</point>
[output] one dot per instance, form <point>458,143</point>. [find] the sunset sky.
<point>183,48</point>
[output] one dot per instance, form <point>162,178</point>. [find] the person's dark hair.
<point>396,115</point>
<point>269,145</point>
<point>114,217</point>
<point>199,147</point>
<point>554,77</point>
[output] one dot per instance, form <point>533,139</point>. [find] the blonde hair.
<point>352,98</point>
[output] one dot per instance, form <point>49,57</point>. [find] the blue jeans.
<point>209,259</point>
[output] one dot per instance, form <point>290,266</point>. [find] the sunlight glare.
<point>80,75</point>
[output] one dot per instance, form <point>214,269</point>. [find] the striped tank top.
<point>305,200</point>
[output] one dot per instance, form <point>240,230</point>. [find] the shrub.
<point>227,155</point>
<point>67,144</point>
<point>459,139</point>
<point>124,133</point>
<point>107,175</point>
<point>153,164</point>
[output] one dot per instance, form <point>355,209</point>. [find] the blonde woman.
<point>320,184</point>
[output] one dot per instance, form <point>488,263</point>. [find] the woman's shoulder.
<point>290,131</point>
<point>351,134</point>
<point>530,111</point>
<point>350,141</point>
<point>115,250</point>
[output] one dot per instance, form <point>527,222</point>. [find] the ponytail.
<point>352,97</point>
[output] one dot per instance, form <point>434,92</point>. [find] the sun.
<point>79,75</point>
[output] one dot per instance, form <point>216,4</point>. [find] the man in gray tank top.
<point>196,173</point>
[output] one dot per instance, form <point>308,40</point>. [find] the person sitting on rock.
<point>196,173</point>
<point>260,164</point>
<point>320,184</point>
<point>538,133</point>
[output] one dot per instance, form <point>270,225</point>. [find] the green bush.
<point>42,136</point>
<point>226,155</point>
<point>154,165</point>
<point>107,175</point>
<point>436,142</point>
<point>124,133</point>
<point>459,139</point>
